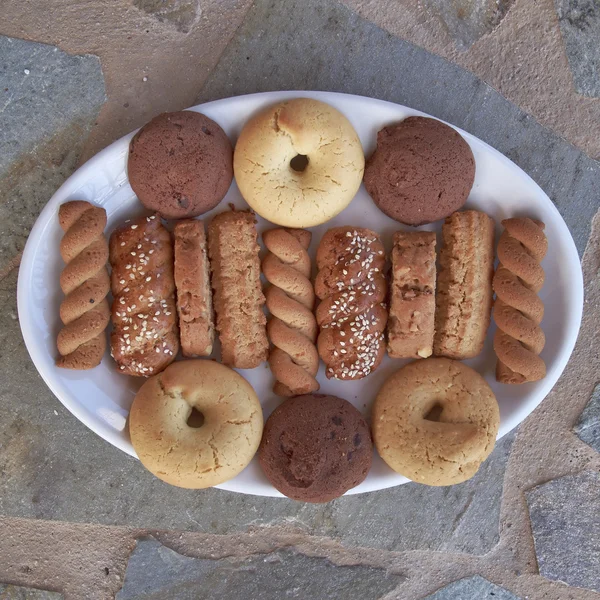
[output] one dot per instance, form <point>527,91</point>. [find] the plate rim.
<point>110,434</point>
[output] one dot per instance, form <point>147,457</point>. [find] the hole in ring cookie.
<point>434,413</point>
<point>196,419</point>
<point>299,162</point>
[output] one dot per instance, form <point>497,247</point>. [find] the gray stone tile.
<point>472,588</point>
<point>182,15</point>
<point>466,22</point>
<point>16,592</point>
<point>52,467</point>
<point>588,426</point>
<point>49,101</point>
<point>566,529</point>
<point>157,572</point>
<point>324,46</point>
<point>580,27</point>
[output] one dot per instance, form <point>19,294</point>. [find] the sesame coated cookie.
<point>352,314</point>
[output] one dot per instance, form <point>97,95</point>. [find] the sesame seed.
<point>148,278</point>
<point>134,227</point>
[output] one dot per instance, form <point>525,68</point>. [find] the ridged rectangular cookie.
<point>194,296</point>
<point>238,297</point>
<point>412,296</point>
<point>464,290</point>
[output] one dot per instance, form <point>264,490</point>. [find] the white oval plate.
<point>101,398</point>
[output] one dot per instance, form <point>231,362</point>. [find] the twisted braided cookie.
<point>518,311</point>
<point>352,314</point>
<point>85,283</point>
<point>292,329</point>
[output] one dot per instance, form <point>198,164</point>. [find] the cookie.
<point>412,295</point>
<point>464,292</point>
<point>194,296</point>
<point>435,421</point>
<point>196,424</point>
<point>180,164</point>
<point>315,448</point>
<point>298,163</point>
<point>421,171</point>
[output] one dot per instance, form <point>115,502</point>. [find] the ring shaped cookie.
<point>265,173</point>
<point>435,421</point>
<point>196,457</point>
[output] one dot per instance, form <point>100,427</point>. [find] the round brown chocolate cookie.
<point>315,448</point>
<point>421,171</point>
<point>180,164</point>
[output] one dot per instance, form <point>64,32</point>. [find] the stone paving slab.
<point>580,27</point>
<point>16,592</point>
<point>565,519</point>
<point>472,588</point>
<point>587,428</point>
<point>49,101</point>
<point>157,572</point>
<point>53,467</point>
<point>466,22</point>
<point>331,48</point>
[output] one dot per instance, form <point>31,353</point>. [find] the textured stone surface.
<point>524,59</point>
<point>157,572</point>
<point>588,426</point>
<point>315,54</point>
<point>15,592</point>
<point>566,529</point>
<point>466,22</point>
<point>49,103</point>
<point>472,588</point>
<point>47,457</point>
<point>181,14</point>
<point>580,28</point>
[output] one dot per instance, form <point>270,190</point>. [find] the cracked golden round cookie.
<point>298,163</point>
<point>196,424</point>
<point>435,421</point>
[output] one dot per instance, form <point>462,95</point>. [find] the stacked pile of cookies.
<point>197,423</point>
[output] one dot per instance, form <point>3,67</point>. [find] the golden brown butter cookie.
<point>435,421</point>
